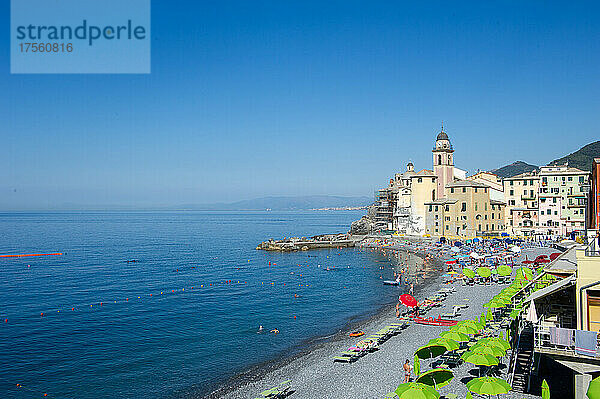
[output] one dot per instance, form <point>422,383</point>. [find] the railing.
<point>541,341</point>
<point>512,365</point>
<point>593,249</point>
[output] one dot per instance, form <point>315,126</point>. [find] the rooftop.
<point>466,183</point>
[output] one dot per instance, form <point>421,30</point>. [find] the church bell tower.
<point>443,162</point>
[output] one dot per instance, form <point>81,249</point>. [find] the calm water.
<point>180,343</point>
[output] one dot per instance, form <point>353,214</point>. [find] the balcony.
<point>528,197</point>
<point>544,344</point>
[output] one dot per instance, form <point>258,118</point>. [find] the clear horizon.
<point>271,99</point>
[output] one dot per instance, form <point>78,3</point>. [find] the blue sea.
<point>184,317</point>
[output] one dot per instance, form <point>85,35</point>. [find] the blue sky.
<point>248,99</point>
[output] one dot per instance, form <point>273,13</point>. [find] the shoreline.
<point>317,346</point>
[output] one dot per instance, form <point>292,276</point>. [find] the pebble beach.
<point>313,373</point>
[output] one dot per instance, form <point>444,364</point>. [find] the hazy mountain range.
<point>286,203</point>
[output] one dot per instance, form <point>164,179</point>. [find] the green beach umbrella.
<point>593,391</point>
<point>545,390</point>
<point>469,396</point>
<point>495,304</point>
<point>484,271</point>
<point>417,365</point>
<point>525,272</point>
<point>468,272</point>
<point>479,359</point>
<point>464,329</point>
<point>496,341</point>
<point>430,351</point>
<point>436,378</point>
<point>487,349</point>
<point>455,336</point>
<point>488,386</point>
<point>449,344</point>
<point>504,270</point>
<point>415,390</point>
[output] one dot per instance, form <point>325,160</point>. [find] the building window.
<point>580,179</point>
<point>492,227</point>
<point>463,207</point>
<point>479,227</point>
<point>570,178</point>
<point>476,204</point>
<point>446,227</point>
<point>430,208</point>
<point>512,192</point>
<point>436,208</point>
<point>420,180</point>
<point>464,189</point>
<point>512,183</point>
<point>447,208</point>
<point>493,215</point>
<point>452,190</point>
<point>475,189</point>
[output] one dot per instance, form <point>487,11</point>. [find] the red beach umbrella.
<point>544,260</point>
<point>408,300</point>
<point>554,255</point>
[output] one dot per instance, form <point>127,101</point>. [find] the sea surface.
<point>184,317</point>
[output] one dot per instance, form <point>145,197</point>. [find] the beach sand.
<point>313,373</point>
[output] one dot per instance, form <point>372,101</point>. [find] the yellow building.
<point>465,211</point>
<point>522,203</point>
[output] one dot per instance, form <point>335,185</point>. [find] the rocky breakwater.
<point>305,244</point>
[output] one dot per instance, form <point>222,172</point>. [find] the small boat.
<point>390,282</point>
<point>356,334</point>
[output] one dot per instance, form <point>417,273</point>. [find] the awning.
<point>571,280</point>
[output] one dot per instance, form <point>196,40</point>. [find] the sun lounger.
<point>455,313</point>
<point>279,391</point>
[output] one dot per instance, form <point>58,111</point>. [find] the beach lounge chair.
<point>455,313</point>
<point>280,391</point>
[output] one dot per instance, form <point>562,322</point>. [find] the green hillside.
<point>515,168</point>
<point>582,158</point>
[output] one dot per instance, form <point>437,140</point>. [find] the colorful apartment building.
<point>522,204</point>
<point>561,200</point>
<point>594,197</point>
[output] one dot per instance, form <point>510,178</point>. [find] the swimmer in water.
<point>260,329</point>
<point>274,331</point>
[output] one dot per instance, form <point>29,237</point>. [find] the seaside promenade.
<point>313,374</point>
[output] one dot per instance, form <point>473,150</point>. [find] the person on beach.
<point>407,370</point>
<point>412,288</point>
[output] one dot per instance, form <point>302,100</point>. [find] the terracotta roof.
<point>425,172</point>
<point>466,183</point>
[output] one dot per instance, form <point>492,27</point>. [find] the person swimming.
<point>260,329</point>
<point>274,331</point>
